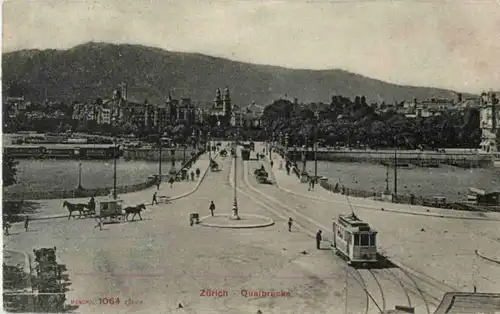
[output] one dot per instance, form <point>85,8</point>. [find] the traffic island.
<point>246,221</point>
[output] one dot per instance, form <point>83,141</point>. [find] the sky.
<point>449,44</point>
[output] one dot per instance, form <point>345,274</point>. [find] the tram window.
<point>372,240</point>
<point>356,239</point>
<point>365,241</point>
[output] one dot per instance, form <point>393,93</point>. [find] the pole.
<point>235,203</point>
<point>395,174</point>
<point>209,147</point>
<point>114,170</point>
<point>387,179</point>
<point>80,175</point>
<point>316,146</point>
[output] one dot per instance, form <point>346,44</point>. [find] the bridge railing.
<point>409,199</point>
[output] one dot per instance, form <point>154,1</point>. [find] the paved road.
<point>162,261</point>
<point>439,251</point>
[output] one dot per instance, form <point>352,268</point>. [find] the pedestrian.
<point>290,222</point>
<point>212,207</point>
<point>272,163</point>
<point>310,184</point>
<point>99,223</point>
<point>154,199</point>
<point>313,182</point>
<point>6,226</point>
<point>198,172</point>
<point>192,175</point>
<point>158,183</point>
<point>171,181</point>
<point>318,239</point>
<point>26,223</point>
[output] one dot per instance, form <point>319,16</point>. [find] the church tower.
<point>124,91</point>
<point>227,108</point>
<point>218,99</point>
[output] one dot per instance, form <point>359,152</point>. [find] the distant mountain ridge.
<point>93,70</point>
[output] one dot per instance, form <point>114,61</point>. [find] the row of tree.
<point>353,123</point>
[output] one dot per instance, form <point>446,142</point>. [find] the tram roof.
<point>355,224</point>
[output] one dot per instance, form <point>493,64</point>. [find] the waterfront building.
<point>248,116</point>
<point>489,122</point>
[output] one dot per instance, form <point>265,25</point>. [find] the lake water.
<point>40,175</point>
<point>448,181</point>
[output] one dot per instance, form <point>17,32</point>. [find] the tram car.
<point>355,241</point>
<point>245,154</point>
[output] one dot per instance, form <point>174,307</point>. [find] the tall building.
<point>226,103</point>
<point>489,122</point>
<point>222,108</point>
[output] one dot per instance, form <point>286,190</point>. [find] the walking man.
<point>171,181</point>
<point>99,223</point>
<point>290,222</point>
<point>318,239</point>
<point>158,184</point>
<point>212,207</point>
<point>310,184</point>
<point>154,199</point>
<point>26,223</point>
<point>313,182</point>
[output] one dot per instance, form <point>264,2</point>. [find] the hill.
<point>93,70</point>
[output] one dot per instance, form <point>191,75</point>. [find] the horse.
<point>136,210</point>
<point>74,208</point>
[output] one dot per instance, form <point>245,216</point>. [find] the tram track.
<point>407,286</point>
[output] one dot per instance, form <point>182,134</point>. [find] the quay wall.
<point>419,158</point>
<point>82,192</point>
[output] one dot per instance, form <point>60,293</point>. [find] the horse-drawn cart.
<point>109,210</point>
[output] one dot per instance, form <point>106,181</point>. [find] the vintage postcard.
<point>293,156</point>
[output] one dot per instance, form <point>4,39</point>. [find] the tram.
<point>354,241</point>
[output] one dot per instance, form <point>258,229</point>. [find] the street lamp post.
<point>235,215</point>
<point>159,156</point>
<point>316,146</point>
<point>303,174</point>
<point>271,146</point>
<point>286,145</point>
<point>172,153</point>
<point>395,174</point>
<point>80,175</point>
<point>209,147</point>
<point>114,170</point>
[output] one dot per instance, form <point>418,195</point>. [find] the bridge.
<point>165,262</point>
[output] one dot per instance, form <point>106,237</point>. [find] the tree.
<point>9,170</point>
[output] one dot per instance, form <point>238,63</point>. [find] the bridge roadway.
<point>438,253</point>
<point>162,261</point>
